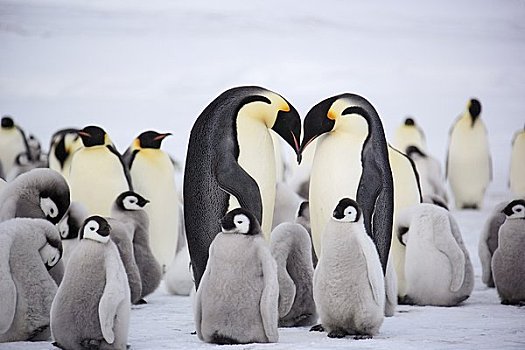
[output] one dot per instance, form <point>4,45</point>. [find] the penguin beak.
<point>83,133</point>
<point>162,136</point>
<point>288,126</point>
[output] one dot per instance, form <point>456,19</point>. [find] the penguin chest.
<point>257,158</point>
<point>11,144</point>
<point>517,166</point>
<point>336,173</point>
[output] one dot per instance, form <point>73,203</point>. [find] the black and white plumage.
<point>12,142</point>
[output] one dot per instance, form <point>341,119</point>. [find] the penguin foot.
<point>337,333</point>
<point>317,328</point>
<point>90,344</point>
<point>405,300</point>
<point>141,302</point>
<point>362,336</point>
<point>194,333</point>
<point>57,345</point>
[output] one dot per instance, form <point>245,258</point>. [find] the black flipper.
<point>124,167</point>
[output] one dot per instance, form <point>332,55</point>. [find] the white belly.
<point>257,158</point>
<point>153,177</point>
<point>11,145</point>
<point>336,172</point>
<point>517,166</point>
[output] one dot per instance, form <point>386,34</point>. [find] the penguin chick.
<point>291,246</point>
<point>236,301</point>
<point>303,219</point>
<point>64,143</point>
<point>508,262</point>
<point>129,209</point>
<point>28,249</point>
<point>349,287</point>
<point>69,227</point>
<point>92,305</point>
<point>23,163</point>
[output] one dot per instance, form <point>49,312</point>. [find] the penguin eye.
<point>48,207</point>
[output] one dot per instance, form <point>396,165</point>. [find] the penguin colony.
<point>359,223</point>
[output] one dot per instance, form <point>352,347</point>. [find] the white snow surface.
<point>131,66</point>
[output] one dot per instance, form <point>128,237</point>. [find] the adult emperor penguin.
<point>409,133</point>
<point>508,262</point>
<point>438,269</point>
<point>69,228</point>
<point>129,209</point>
<point>517,164</point>
<point>12,142</point>
<point>230,163</point>
<point>351,160</point>
<point>92,305</point>
<point>236,302</point>
<point>64,143</point>
<point>469,165</point>
<point>28,248</point>
<point>430,175</point>
<point>153,176</point>
<point>349,287</point>
<point>291,247</point>
<point>97,174</point>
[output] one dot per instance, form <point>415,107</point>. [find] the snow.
<point>135,65</point>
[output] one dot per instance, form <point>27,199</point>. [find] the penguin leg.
<point>337,333</point>
<point>317,328</point>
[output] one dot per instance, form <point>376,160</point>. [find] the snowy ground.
<point>135,65</point>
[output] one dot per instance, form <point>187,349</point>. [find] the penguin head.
<point>54,204</point>
<point>130,200</point>
<point>7,122</point>
<point>317,122</point>
<point>347,210</point>
<point>240,221</point>
<point>304,210</point>
<point>515,209</point>
<point>414,151</point>
<point>22,159</point>
<point>51,253</point>
<point>474,109</point>
<point>151,139</point>
<point>63,143</point>
<point>93,136</point>
<point>410,122</point>
<point>95,228</point>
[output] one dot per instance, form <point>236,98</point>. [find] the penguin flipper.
<point>375,279</point>
<point>237,182</point>
<point>7,290</point>
<point>269,299</point>
<point>124,166</point>
<point>447,244</point>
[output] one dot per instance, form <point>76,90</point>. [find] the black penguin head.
<point>474,109</point>
<point>95,228</point>
<point>51,252</point>
<point>92,136</point>
<point>347,210</point>
<point>414,151</point>
<point>515,209</point>
<point>54,203</point>
<point>304,210</point>
<point>409,122</point>
<point>7,122</point>
<point>240,221</point>
<point>318,121</point>
<point>130,200</point>
<point>288,126</point>
<point>151,139</point>
<point>22,159</point>
<point>59,144</point>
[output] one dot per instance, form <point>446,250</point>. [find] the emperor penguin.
<point>69,227</point>
<point>97,173</point>
<point>23,163</point>
<point>430,175</point>
<point>291,247</point>
<point>64,143</point>
<point>488,241</point>
<point>28,249</point>
<point>438,269</point>
<point>469,165</point>
<point>153,176</point>
<point>12,142</point>
<point>230,163</point>
<point>351,160</point>
<point>517,164</point>
<point>303,219</point>
<point>409,133</point>
<point>237,299</point>
<point>92,306</point>
<point>129,209</point>
<point>349,287</point>
<point>508,262</point>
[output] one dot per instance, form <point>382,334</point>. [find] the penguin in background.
<point>237,299</point>
<point>351,160</point>
<point>230,163</point>
<point>409,133</point>
<point>430,174</point>
<point>29,248</point>
<point>517,164</point>
<point>469,164</point>
<point>96,275</point>
<point>287,203</point>
<point>97,173</point>
<point>23,163</point>
<point>69,228</point>
<point>349,287</point>
<point>153,176</point>
<point>64,143</point>
<point>12,142</point>
<point>508,262</point>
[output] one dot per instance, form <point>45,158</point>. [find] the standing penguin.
<point>92,305</point>
<point>230,163</point>
<point>153,176</point>
<point>64,143</point>
<point>438,270</point>
<point>409,133</point>
<point>129,209</point>
<point>517,164</point>
<point>469,165</point>
<point>12,143</point>
<point>28,248</point>
<point>236,302</point>
<point>351,160</point>
<point>291,247</point>
<point>97,173</point>
<point>508,262</point>
<point>430,174</point>
<point>349,288</point>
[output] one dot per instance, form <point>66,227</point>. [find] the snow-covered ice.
<point>135,65</point>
